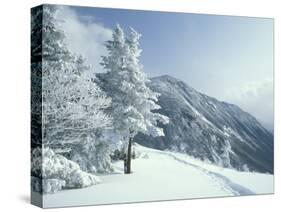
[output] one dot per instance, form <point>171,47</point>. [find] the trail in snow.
<point>161,175</point>
<point>223,181</point>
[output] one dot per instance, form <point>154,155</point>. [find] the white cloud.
<point>256,98</point>
<point>85,36</point>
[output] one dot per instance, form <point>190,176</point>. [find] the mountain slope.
<point>163,175</point>
<point>209,129</point>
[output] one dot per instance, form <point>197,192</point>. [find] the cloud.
<point>256,98</point>
<point>85,36</point>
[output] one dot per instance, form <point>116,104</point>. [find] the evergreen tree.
<point>133,103</point>
<point>72,104</point>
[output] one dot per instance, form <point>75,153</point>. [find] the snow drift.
<point>164,175</point>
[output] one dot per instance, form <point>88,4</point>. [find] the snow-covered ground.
<point>161,175</point>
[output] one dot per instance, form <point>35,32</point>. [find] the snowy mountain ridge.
<point>211,130</point>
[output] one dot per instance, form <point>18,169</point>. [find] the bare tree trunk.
<point>125,164</point>
<point>127,161</point>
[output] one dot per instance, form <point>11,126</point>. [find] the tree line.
<point>82,113</point>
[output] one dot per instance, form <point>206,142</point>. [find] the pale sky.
<point>226,57</point>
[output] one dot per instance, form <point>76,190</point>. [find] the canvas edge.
<point>36,86</point>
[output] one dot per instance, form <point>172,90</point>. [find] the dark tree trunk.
<point>128,158</point>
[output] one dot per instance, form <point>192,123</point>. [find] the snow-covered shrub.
<point>102,159</point>
<point>118,155</point>
<point>46,185</point>
<point>36,184</point>
<point>93,157</point>
<point>57,172</point>
<point>81,179</point>
<point>36,162</point>
<point>145,156</point>
<point>52,185</point>
<point>245,168</point>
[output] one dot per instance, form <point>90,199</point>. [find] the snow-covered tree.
<point>133,102</point>
<point>36,75</point>
<point>72,103</point>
